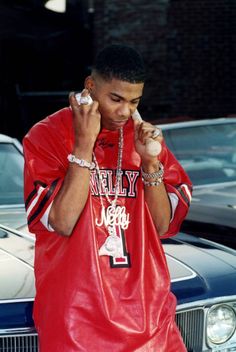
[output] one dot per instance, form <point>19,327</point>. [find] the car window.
<point>11,175</point>
<point>208,153</point>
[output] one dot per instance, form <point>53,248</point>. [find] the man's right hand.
<point>86,122</point>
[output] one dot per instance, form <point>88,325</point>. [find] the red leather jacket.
<point>87,302</point>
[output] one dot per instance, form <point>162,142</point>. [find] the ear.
<point>89,83</point>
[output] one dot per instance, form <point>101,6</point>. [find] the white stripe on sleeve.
<point>174,200</point>
<point>44,218</point>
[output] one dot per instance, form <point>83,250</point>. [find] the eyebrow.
<point>122,98</point>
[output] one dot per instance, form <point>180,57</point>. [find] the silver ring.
<point>156,133</point>
<point>85,100</point>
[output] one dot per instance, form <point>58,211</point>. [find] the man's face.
<point>117,100</point>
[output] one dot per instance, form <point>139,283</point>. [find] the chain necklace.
<point>114,215</point>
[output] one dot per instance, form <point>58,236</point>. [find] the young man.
<point>98,200</point>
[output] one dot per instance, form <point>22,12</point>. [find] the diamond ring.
<point>156,133</point>
<point>83,100</point>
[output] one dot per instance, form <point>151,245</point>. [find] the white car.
<point>12,210</point>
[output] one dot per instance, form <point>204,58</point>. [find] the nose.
<point>124,110</point>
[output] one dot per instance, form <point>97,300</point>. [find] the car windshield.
<point>207,152</point>
<point>11,175</point>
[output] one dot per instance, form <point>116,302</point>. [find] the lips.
<point>119,123</point>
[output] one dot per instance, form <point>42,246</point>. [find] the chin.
<point>114,125</point>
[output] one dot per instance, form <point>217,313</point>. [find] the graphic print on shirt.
<point>114,218</point>
<point>124,260</point>
<point>127,186</point>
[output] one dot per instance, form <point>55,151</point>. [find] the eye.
<point>117,100</point>
<point>135,102</point>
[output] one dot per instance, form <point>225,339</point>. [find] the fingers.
<point>156,133</point>
<point>82,101</point>
<point>137,124</point>
<point>145,131</point>
<point>72,98</point>
<point>86,116</point>
<point>84,98</point>
<point>85,92</point>
<point>76,98</point>
<point>73,102</point>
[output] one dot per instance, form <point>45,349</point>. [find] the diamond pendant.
<point>111,247</point>
<point>114,216</point>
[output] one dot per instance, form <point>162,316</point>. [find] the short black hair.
<point>120,62</point>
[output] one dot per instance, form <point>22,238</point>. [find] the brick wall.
<point>188,46</point>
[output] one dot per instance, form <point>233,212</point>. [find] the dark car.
<point>213,214</point>
<point>207,151</point>
<point>203,276</point>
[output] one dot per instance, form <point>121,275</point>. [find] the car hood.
<point>16,267</point>
<point>13,216</point>
<point>214,204</point>
<point>199,268</point>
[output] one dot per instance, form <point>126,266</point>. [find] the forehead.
<point>121,88</point>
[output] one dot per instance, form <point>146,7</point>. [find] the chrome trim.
<point>191,325</point>
<point>19,343</point>
<point>191,319</point>
<point>193,273</point>
<point>205,302</point>
<point>5,139</point>
<point>20,300</point>
<point>212,186</point>
<point>10,206</point>
<point>197,123</point>
<point>208,339</point>
<point>17,331</point>
<point>18,233</point>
